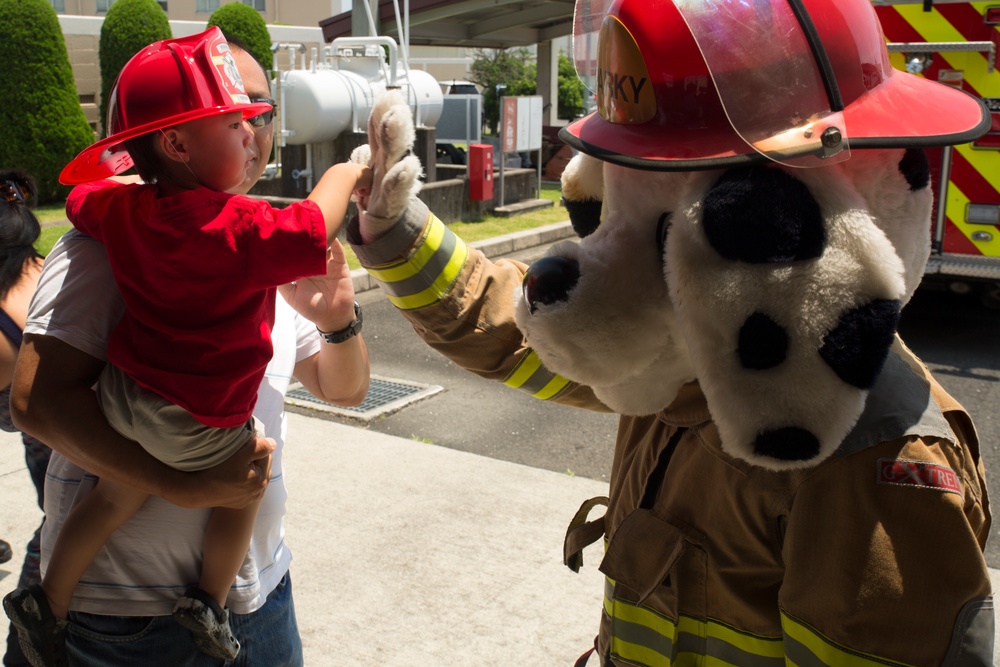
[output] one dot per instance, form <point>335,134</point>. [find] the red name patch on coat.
<point>915,473</point>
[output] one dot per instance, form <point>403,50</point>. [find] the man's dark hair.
<point>240,45</point>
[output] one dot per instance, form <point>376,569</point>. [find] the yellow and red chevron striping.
<point>961,22</point>
<point>975,174</point>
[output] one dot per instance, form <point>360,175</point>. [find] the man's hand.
<point>52,399</point>
<point>236,482</point>
<point>327,301</point>
<point>395,178</point>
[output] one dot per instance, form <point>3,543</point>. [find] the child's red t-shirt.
<point>198,274</point>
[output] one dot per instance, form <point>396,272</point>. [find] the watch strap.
<point>348,332</point>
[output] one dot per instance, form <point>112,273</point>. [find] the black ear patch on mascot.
<point>585,215</point>
<point>915,169</point>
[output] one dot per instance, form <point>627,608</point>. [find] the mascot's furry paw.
<point>395,175</point>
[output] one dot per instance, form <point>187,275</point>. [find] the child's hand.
<point>364,178</point>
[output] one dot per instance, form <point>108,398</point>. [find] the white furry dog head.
<point>778,289</point>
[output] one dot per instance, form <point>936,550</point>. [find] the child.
<point>198,273</point>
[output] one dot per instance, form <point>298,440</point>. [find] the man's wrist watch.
<point>348,332</point>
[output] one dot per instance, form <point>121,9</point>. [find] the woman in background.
<point>20,265</point>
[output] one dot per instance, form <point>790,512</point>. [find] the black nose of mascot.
<point>549,280</point>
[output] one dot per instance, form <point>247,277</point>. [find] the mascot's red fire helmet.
<point>167,83</point>
<point>703,84</point>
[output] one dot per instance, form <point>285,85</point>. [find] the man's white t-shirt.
<point>156,555</point>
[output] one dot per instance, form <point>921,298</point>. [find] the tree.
<point>247,25</point>
<point>571,89</point>
<point>44,126</point>
<point>511,69</point>
<point>128,26</point>
<point>515,73</point>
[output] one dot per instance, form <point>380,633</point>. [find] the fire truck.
<point>956,43</point>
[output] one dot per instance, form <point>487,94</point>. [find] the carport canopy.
<point>485,24</point>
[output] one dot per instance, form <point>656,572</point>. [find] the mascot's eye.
<point>661,233</point>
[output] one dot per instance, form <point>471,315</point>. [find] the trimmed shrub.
<point>247,25</point>
<point>44,126</point>
<point>128,26</point>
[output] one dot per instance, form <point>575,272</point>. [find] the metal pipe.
<point>942,200</point>
<point>291,47</point>
<point>406,65</point>
<point>372,26</point>
<point>388,42</point>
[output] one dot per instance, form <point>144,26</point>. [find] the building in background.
<point>288,21</point>
<point>285,12</point>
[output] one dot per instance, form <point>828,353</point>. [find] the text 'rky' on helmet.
<point>167,83</point>
<point>703,84</point>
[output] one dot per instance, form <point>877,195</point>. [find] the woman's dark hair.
<point>19,228</point>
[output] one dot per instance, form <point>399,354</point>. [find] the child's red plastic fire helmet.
<point>167,83</point>
<point>702,84</point>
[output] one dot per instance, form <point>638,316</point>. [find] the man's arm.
<point>52,399</point>
<point>339,373</point>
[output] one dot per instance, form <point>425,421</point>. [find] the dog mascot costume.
<point>790,485</point>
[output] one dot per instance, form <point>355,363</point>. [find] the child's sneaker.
<point>41,635</point>
<point>197,611</point>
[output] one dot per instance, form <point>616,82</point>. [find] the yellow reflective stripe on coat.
<point>532,377</point>
<point>641,636</point>
<point>807,648</point>
<point>422,278</point>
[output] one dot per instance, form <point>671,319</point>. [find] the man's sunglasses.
<point>265,118</point>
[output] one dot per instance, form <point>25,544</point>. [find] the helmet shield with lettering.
<point>704,84</point>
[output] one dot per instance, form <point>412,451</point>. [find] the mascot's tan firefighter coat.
<point>790,485</point>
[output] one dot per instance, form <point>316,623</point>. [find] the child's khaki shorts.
<point>166,431</point>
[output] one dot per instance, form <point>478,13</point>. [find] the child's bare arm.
<point>333,193</point>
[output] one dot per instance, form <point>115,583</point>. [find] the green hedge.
<point>43,124</point>
<point>247,25</point>
<point>128,26</point>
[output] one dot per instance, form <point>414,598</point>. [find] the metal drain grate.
<point>385,396</point>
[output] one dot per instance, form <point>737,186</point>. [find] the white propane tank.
<point>320,103</point>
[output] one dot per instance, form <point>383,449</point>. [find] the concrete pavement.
<point>406,553</point>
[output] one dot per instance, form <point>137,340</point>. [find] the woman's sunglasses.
<point>265,118</point>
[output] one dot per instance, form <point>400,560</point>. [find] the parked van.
<point>457,87</point>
